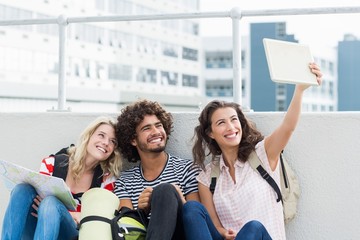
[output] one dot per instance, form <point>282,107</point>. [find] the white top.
<point>250,198</point>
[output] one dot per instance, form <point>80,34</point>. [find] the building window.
<point>147,45</point>
<point>189,80</point>
<point>331,89</point>
<point>146,75</point>
<point>90,34</point>
<point>223,89</point>
<point>119,39</point>
<point>243,88</point>
<point>170,24</point>
<point>101,71</point>
<point>323,64</point>
<point>192,4</point>
<point>170,50</point>
<point>52,63</point>
<point>50,29</point>
<point>280,97</point>
<point>190,54</point>
<point>120,7</point>
<point>280,90</point>
<point>243,59</point>
<point>281,29</point>
<point>169,78</point>
<point>143,10</point>
<point>120,72</point>
<point>191,27</point>
<point>219,60</point>
<point>280,105</point>
<point>331,67</point>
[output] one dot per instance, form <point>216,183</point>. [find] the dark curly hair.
<point>250,135</point>
<point>130,117</point>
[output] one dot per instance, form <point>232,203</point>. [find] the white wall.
<point>324,152</point>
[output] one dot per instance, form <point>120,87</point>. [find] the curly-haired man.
<point>161,183</point>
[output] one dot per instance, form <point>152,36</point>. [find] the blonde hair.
<point>77,154</point>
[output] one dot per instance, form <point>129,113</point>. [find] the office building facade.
<point>349,72</point>
<point>108,64</point>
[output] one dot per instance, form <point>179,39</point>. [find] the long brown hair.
<point>203,143</point>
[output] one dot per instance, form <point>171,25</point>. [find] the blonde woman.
<point>93,162</point>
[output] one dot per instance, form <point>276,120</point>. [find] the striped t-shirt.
<point>179,171</point>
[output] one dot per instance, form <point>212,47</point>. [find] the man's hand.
<point>144,199</point>
<point>180,193</point>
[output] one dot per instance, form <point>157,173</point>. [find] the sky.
<point>314,30</point>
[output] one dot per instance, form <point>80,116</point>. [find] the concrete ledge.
<point>323,152</point>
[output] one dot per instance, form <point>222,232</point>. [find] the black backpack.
<point>127,224</point>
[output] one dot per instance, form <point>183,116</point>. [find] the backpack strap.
<point>256,164</point>
<point>215,173</point>
<point>60,166</point>
<point>283,174</point>
<point>64,150</point>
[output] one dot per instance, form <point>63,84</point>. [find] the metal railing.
<point>236,14</point>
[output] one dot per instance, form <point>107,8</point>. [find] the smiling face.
<point>150,136</point>
<point>226,128</point>
<point>102,143</point>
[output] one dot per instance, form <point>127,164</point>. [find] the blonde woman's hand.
<point>35,205</point>
<point>76,217</point>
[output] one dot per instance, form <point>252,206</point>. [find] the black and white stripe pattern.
<point>177,170</point>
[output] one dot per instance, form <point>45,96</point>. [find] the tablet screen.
<point>288,62</point>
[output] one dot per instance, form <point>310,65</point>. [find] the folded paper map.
<point>13,174</point>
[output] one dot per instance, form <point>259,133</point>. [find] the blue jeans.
<point>198,225</point>
<point>53,221</point>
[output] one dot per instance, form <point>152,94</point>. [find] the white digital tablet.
<point>288,62</point>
